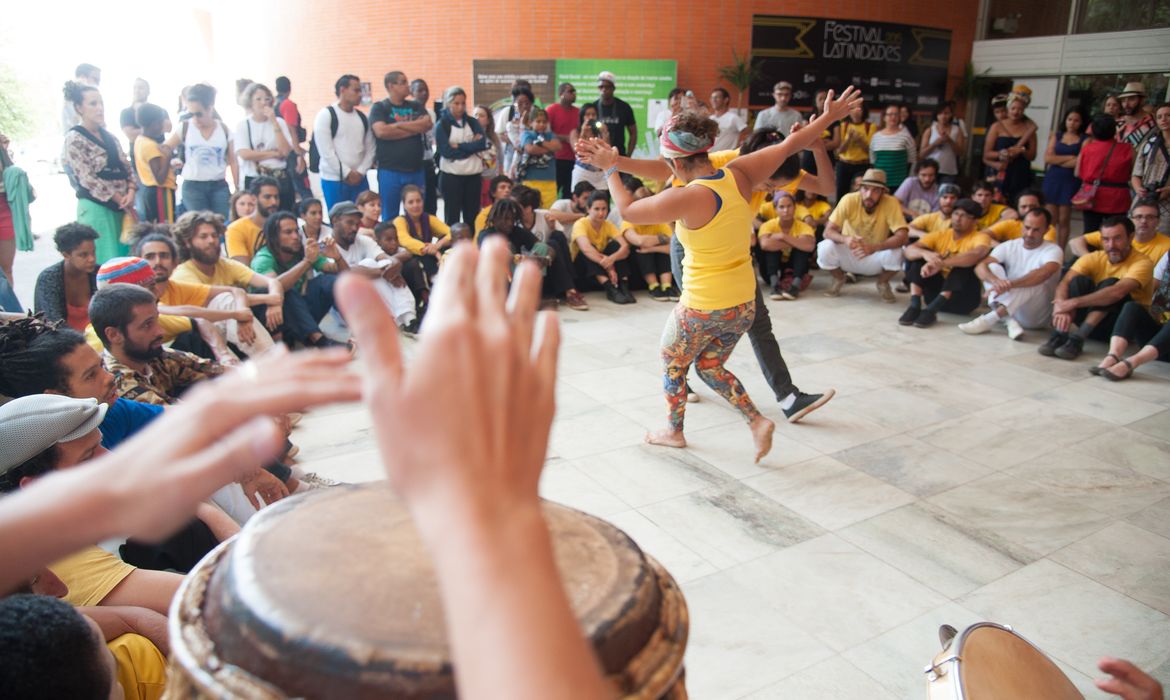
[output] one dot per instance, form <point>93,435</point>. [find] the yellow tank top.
<point>717,267</point>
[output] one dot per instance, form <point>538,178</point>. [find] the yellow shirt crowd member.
<point>857,152</point>
<point>147,149</point>
<point>772,227</point>
<point>90,575</point>
<point>1096,266</point>
<point>945,244</point>
<point>226,273</point>
<point>873,228</point>
<point>720,159</point>
<point>816,210</point>
<point>641,229</point>
<point>934,221</point>
<point>1153,249</point>
<point>1011,229</point>
<point>717,267</point>
<point>242,238</point>
<point>414,245</point>
<point>481,220</point>
<point>993,213</point>
<point>141,667</point>
<point>583,228</point>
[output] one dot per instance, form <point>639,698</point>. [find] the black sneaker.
<point>659,294</point>
<point>674,292</point>
<point>613,294</point>
<point>627,297</point>
<point>806,404</point>
<point>909,316</point>
<point>926,318</point>
<point>791,293</point>
<point>1071,349</point>
<point>1055,340</point>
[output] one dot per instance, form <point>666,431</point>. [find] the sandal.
<point>1099,370</point>
<point>1114,378</point>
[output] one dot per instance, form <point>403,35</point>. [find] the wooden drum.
<point>331,594</point>
<point>987,661</point>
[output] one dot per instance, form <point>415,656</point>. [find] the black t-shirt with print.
<point>404,155</point>
<point>617,117</point>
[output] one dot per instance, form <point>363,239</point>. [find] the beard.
<point>143,353</point>
<point>205,258</point>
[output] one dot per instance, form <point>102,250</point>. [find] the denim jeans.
<point>206,195</point>
<point>339,191</point>
<point>390,184</point>
<point>302,312</point>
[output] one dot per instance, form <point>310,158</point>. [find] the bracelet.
<point>612,169</point>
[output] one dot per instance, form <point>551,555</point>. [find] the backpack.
<point>314,154</point>
<point>181,151</point>
<point>301,133</point>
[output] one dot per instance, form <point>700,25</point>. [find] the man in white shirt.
<point>362,255</point>
<point>1020,277</point>
<point>345,143</point>
<point>732,128</point>
<point>779,116</point>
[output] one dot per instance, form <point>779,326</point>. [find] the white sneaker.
<point>1014,329</point>
<point>978,325</point>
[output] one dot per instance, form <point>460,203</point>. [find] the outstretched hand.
<point>1127,680</point>
<point>485,364</point>
<point>597,152</point>
<point>838,108</point>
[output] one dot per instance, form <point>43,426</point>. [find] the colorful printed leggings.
<point>705,338</point>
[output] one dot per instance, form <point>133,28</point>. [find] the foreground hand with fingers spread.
<point>219,434</point>
<point>487,365</point>
<point>1127,680</point>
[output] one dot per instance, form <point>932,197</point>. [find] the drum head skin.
<point>998,664</point>
<point>332,594</point>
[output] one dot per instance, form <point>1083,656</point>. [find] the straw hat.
<point>875,178</point>
<point>1133,90</point>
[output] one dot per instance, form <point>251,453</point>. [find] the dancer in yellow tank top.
<point>714,225</point>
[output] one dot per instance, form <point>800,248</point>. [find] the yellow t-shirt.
<point>1137,266</point>
<point>993,213</point>
<point>771,227</point>
<point>1011,229</point>
<point>934,221</point>
<point>856,153</point>
<point>720,159</point>
<point>226,273</point>
<point>146,149</point>
<point>414,245</point>
<point>1153,249</point>
<point>242,238</point>
<point>717,267</point>
<point>141,667</point>
<point>873,228</point>
<point>646,229</point>
<point>185,294</point>
<point>599,238</point>
<point>945,244</point>
<point>90,575</point>
<point>816,210</point>
<point>481,219</point>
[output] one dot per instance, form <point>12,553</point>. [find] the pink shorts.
<point>7,232</point>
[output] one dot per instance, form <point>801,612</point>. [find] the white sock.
<point>787,401</point>
<point>994,316</point>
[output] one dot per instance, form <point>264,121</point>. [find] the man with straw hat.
<point>1135,125</point>
<point>865,235</point>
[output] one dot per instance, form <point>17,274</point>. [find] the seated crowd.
<point>123,333</point>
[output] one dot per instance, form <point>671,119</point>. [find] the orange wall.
<point>438,39</point>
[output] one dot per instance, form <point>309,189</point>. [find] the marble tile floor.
<point>953,479</point>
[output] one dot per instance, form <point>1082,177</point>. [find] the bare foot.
<point>762,429</point>
<point>666,437</point>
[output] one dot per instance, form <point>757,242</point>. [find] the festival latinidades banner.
<point>644,84</point>
<point>888,62</point>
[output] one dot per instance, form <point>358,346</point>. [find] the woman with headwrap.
<point>1013,146</point>
<point>714,225</point>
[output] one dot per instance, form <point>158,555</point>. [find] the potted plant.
<point>740,74</point>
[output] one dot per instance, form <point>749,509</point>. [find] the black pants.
<point>587,270</point>
<point>559,277</point>
<point>774,264</point>
<point>460,197</point>
<point>564,180</point>
<point>1138,327</point>
<point>179,552</point>
<point>965,288</point>
<point>845,174</point>
<point>1082,285</point>
<point>652,264</point>
<point>431,196</point>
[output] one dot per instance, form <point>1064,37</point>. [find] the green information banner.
<point>644,84</point>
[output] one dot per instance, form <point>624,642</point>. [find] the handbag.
<point>1086,197</point>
